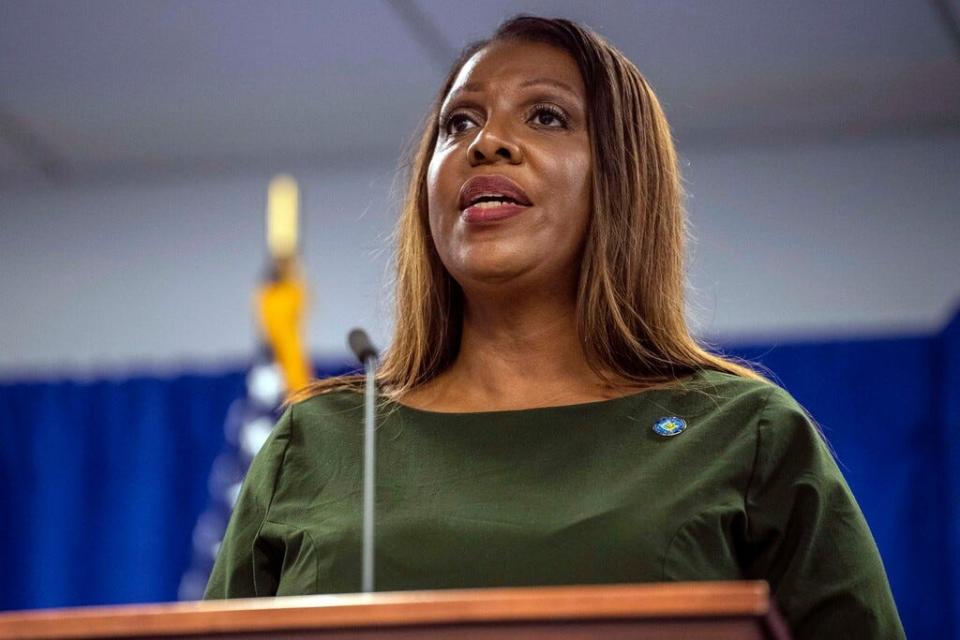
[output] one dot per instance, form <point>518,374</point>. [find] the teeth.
<point>489,204</point>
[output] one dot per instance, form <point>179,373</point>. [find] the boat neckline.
<point>682,386</point>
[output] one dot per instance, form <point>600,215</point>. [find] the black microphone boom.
<point>361,346</point>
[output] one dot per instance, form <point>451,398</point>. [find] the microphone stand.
<point>360,343</point>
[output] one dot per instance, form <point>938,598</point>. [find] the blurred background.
<point>820,146</point>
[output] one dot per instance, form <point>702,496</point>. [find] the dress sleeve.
<point>808,538</point>
<point>243,569</point>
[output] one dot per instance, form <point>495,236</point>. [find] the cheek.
<point>574,200</point>
<point>574,172</point>
<point>578,171</point>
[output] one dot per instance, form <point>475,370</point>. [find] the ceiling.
<point>137,88</point>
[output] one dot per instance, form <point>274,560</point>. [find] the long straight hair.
<point>630,297</point>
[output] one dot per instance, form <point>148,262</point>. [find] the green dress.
<point>578,494</point>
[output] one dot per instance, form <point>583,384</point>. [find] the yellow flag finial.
<point>283,210</point>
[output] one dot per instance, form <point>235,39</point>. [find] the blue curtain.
<point>101,482</point>
<point>947,364</point>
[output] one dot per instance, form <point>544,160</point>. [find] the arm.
<point>243,568</point>
<point>807,536</point>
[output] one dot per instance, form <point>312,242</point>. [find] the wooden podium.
<point>689,610</point>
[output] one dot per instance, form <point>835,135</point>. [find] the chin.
<point>487,274</point>
<point>488,261</point>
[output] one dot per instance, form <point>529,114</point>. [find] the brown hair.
<point>631,289</point>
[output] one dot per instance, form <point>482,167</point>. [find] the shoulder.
<point>728,410</point>
<point>782,422</point>
<point>308,435</point>
<point>732,399</point>
<point>300,424</point>
<point>325,420</point>
<point>333,405</point>
<point>773,432</point>
<point>788,445</point>
<point>763,399</point>
<point>322,423</point>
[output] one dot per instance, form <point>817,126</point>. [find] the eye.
<point>547,115</point>
<point>455,123</point>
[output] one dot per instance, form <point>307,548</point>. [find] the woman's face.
<point>509,181</point>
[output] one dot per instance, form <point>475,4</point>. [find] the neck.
<point>516,353</point>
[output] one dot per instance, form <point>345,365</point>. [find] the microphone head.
<point>361,346</point>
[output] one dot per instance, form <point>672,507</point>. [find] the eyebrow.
<point>478,86</point>
<point>550,81</point>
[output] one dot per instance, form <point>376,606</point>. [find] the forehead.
<point>511,63</point>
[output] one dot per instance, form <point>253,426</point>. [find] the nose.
<point>492,145</point>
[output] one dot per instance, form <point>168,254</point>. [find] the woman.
<point>548,419</point>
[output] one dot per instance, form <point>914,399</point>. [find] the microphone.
<point>361,346</point>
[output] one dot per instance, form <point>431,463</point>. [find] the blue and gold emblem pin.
<point>669,426</point>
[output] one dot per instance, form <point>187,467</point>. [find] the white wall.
<point>837,237</point>
<point>130,276</point>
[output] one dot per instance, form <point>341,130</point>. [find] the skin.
<point>519,347</point>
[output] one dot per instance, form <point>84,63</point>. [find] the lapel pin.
<point>669,426</point>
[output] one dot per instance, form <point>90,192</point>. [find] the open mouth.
<point>491,198</point>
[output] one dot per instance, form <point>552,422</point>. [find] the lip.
<point>482,215</point>
<point>479,185</point>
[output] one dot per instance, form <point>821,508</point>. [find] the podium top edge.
<point>398,608</point>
